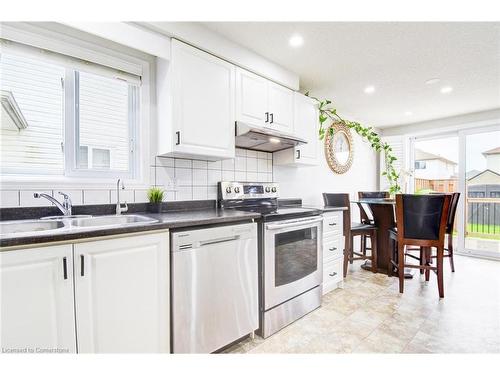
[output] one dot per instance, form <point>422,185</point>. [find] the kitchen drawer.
<point>332,275</point>
<point>332,222</point>
<point>333,248</point>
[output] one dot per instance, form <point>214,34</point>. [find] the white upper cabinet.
<point>280,108</point>
<point>262,103</point>
<point>122,294</point>
<point>37,299</point>
<point>203,103</point>
<point>251,98</point>
<point>306,125</point>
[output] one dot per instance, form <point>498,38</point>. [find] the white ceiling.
<point>339,59</point>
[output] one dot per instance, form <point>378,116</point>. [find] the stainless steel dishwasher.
<point>214,287</point>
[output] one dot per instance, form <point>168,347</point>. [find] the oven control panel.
<point>247,190</point>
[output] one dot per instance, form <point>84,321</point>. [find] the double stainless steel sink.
<point>68,223</point>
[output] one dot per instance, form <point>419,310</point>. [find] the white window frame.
<point>124,58</point>
<point>72,127</point>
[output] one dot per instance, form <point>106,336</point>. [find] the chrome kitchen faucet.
<point>65,206</point>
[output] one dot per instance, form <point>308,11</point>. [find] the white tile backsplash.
<point>216,165</point>
<point>184,193</point>
<point>96,197</point>
<point>200,177</point>
<point>9,198</point>
<point>182,179</point>
<point>184,176</point>
<point>251,165</point>
<point>262,165</point>
<point>28,200</point>
<point>214,177</point>
<point>200,192</point>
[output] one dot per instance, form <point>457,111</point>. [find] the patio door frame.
<point>462,184</point>
<point>461,210</point>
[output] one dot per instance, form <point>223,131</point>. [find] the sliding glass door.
<point>480,177</point>
<point>466,161</point>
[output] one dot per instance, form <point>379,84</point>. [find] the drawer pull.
<point>332,274</point>
<point>332,224</point>
<point>332,248</point>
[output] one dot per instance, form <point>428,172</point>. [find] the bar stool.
<point>422,222</point>
<point>363,212</point>
<point>353,229</point>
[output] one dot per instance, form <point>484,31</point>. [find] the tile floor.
<point>370,316</point>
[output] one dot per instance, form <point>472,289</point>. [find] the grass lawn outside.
<point>483,231</point>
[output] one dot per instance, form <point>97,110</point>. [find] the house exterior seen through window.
<point>57,99</point>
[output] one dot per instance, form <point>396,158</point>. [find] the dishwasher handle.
<point>219,240</point>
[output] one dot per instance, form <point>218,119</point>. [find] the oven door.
<point>292,258</point>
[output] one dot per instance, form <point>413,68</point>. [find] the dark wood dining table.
<point>383,211</point>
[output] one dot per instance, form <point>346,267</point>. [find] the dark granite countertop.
<point>166,220</point>
<point>174,215</point>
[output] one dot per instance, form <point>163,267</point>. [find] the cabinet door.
<point>280,108</point>
<point>122,295</point>
<point>306,127</point>
<point>37,299</point>
<point>203,103</point>
<point>251,98</point>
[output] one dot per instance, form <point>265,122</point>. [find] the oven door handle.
<point>294,223</point>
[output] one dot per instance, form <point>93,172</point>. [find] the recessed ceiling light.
<point>432,81</point>
<point>369,90</point>
<point>446,90</point>
<point>274,140</point>
<point>296,40</point>
<point>408,113</point>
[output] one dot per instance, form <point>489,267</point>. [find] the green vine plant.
<point>327,111</point>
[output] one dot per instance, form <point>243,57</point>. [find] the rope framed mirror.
<point>339,148</point>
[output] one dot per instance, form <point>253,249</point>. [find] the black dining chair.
<point>353,229</point>
<point>455,197</point>
<point>365,213</point>
<point>421,221</point>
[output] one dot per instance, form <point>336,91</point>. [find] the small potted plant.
<point>155,196</point>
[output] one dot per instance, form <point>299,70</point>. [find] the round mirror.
<point>339,148</point>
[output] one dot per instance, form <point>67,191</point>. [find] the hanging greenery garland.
<point>328,111</point>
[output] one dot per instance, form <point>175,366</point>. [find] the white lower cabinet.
<point>333,250</point>
<point>37,309</point>
<point>122,295</point>
<point>102,296</point>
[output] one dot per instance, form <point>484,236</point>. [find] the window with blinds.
<point>80,119</point>
<point>36,88</point>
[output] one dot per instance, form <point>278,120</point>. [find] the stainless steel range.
<point>290,252</point>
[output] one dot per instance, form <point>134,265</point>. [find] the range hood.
<point>262,139</point>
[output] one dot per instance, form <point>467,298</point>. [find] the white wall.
<point>309,183</point>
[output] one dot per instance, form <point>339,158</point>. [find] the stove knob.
<point>228,189</point>
<point>273,190</point>
<point>268,189</point>
<point>236,189</point>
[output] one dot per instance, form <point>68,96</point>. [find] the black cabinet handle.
<point>267,116</point>
<point>298,154</point>
<point>332,224</point>
<point>65,268</point>
<point>82,265</point>
<point>272,118</point>
<point>178,133</point>
<point>332,248</point>
<point>332,274</point>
